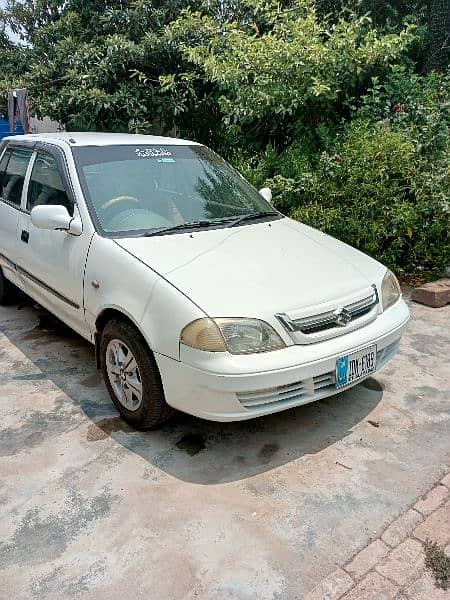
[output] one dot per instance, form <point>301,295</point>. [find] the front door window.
<point>46,186</point>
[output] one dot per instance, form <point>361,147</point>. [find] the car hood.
<point>256,269</point>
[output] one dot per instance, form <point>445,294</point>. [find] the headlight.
<point>238,336</point>
<point>390,290</point>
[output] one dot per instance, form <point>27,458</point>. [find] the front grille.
<point>286,392</point>
<point>336,321</point>
<point>324,381</point>
<point>300,392</point>
<point>330,319</point>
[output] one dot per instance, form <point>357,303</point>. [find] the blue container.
<point>4,128</point>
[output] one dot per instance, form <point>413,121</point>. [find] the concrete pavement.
<point>398,564</point>
<point>260,509</point>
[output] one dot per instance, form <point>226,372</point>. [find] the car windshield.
<point>134,190</point>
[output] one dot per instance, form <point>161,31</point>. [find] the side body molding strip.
<point>39,282</point>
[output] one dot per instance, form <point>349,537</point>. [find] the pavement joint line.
<point>373,569</point>
<point>445,481</point>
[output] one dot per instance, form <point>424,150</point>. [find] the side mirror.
<point>266,193</point>
<point>55,217</point>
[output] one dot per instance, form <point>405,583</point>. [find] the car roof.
<point>92,138</point>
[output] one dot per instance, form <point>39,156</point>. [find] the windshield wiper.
<point>191,225</point>
<point>253,216</point>
<point>207,223</point>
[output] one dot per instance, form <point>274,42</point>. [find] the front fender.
<point>167,313</point>
<point>115,279</point>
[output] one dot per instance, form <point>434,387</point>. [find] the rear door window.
<point>14,175</point>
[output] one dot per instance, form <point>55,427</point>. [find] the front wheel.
<point>132,377</point>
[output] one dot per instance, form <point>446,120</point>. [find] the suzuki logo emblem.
<point>342,317</point>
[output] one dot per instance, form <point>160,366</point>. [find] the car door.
<point>52,262</point>
<point>13,167</point>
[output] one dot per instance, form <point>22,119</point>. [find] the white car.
<point>197,293</point>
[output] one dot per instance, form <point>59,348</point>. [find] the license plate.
<point>352,367</point>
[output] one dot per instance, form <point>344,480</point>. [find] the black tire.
<point>7,290</point>
<point>153,410</point>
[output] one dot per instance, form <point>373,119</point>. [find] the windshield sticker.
<point>152,152</point>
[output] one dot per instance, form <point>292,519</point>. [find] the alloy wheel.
<point>124,375</point>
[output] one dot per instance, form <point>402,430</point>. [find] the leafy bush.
<point>372,189</point>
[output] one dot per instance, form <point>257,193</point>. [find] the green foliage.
<point>438,562</point>
<point>135,66</point>
<point>295,64</point>
<point>412,102</point>
<point>374,189</point>
<point>96,65</point>
<point>371,194</point>
<point>12,62</point>
<point>322,101</point>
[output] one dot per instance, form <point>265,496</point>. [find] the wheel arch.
<point>108,314</point>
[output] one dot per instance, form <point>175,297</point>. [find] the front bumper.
<point>233,388</point>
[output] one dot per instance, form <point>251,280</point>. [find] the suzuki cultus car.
<point>197,293</point>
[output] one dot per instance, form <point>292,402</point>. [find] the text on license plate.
<point>351,367</point>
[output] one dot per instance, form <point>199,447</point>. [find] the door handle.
<point>25,236</point>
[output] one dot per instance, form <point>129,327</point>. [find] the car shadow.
<point>188,448</point>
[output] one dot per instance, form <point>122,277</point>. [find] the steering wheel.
<point>117,199</point>
<point>137,218</point>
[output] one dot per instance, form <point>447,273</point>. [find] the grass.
<point>439,563</point>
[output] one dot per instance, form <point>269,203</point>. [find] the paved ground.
<point>263,509</point>
<point>402,563</point>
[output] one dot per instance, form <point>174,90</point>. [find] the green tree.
<point>12,61</point>
<point>296,67</point>
<point>129,65</point>
<point>96,65</point>
<point>438,12</point>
